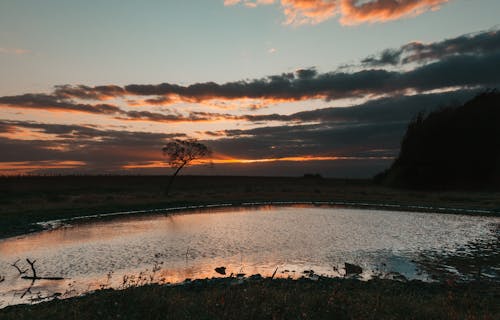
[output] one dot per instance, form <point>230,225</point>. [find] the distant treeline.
<point>457,147</point>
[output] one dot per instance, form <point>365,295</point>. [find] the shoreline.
<point>30,203</point>
<point>38,205</point>
<point>52,224</point>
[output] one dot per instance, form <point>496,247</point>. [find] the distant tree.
<point>181,153</point>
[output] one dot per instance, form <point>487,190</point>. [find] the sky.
<point>283,87</point>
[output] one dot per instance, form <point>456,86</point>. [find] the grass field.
<point>26,200</point>
<point>277,299</point>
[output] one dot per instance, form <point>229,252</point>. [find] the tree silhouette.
<point>455,147</point>
<point>181,153</point>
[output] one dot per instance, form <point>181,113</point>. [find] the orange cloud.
<point>352,12</point>
<point>300,12</point>
<point>384,10</point>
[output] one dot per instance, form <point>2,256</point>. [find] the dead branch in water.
<point>34,276</point>
<point>21,272</point>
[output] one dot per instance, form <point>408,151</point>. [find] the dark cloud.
<point>177,117</point>
<point>88,93</point>
<point>360,140</point>
<point>397,108</point>
<point>368,134</point>
<point>53,102</point>
<point>372,129</point>
<point>82,143</point>
<point>481,43</point>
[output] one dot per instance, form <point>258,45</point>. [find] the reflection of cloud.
<point>351,12</point>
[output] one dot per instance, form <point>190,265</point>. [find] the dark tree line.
<point>457,147</point>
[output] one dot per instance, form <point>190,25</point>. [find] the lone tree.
<point>180,153</point>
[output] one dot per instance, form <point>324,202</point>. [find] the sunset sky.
<point>283,87</point>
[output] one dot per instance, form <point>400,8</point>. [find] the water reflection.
<point>250,240</point>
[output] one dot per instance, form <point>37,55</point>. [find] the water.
<point>170,248</point>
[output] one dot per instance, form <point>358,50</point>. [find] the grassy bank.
<point>26,200</point>
<point>277,299</point>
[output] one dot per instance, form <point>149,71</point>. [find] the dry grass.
<point>277,299</point>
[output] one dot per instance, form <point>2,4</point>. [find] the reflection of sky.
<point>248,240</point>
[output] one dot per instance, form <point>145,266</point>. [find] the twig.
<point>32,265</point>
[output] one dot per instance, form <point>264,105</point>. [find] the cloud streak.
<point>477,44</point>
<point>54,102</point>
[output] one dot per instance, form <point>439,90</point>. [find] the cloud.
<point>58,101</point>
<point>351,12</point>
<point>300,12</point>
<point>54,102</point>
<point>392,109</point>
<point>463,70</point>
<point>370,130</point>
<point>15,51</point>
<point>297,12</point>
<point>101,150</point>
<point>176,117</point>
<point>368,134</point>
<point>384,10</point>
<point>88,93</point>
<point>90,133</point>
<point>464,62</point>
<point>476,44</point>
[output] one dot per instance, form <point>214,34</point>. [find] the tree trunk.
<point>172,178</point>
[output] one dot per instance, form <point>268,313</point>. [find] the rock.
<point>352,269</point>
<point>221,270</point>
<point>255,277</point>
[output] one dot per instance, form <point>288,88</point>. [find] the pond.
<point>284,240</point>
